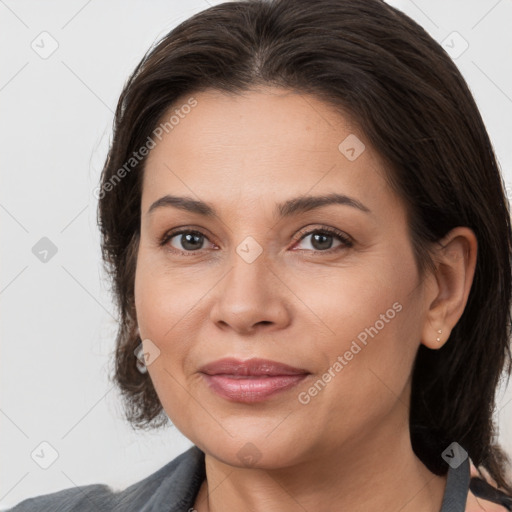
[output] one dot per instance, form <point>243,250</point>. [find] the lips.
<point>253,380</point>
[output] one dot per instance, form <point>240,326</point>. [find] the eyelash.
<point>343,238</point>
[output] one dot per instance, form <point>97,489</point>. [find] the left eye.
<point>322,240</point>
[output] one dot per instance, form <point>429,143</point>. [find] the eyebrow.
<point>288,208</point>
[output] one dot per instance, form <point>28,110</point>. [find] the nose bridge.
<point>250,293</point>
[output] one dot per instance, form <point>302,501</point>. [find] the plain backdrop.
<point>62,68</point>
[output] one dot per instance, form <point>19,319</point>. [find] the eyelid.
<point>345,239</point>
<point>168,235</point>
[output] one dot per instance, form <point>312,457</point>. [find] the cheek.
<point>366,377</point>
<point>160,315</point>
<point>165,304</point>
<point>164,300</point>
<point>363,303</point>
<point>373,316</point>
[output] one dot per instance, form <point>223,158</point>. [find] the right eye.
<point>184,241</point>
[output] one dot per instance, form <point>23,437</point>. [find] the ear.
<point>448,288</point>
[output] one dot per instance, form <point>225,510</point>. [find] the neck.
<point>375,471</point>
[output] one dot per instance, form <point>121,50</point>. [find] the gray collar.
<point>457,485</point>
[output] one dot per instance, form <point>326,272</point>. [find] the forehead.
<point>264,142</point>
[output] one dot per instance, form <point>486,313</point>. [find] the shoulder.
<point>102,497</point>
<point>477,503</point>
<point>484,495</point>
<point>88,497</point>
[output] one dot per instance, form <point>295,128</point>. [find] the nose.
<point>251,297</point>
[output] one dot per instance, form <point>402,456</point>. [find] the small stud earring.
<point>439,332</point>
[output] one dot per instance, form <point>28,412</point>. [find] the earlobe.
<point>455,259</point>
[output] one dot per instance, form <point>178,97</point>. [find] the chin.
<point>258,451</point>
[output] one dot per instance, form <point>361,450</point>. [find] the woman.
<point>310,247</point>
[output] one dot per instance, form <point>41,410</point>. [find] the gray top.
<point>174,487</point>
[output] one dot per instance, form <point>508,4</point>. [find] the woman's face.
<point>327,285</point>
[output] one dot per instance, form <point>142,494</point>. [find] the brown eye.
<point>188,241</point>
<point>184,241</point>
<point>322,239</point>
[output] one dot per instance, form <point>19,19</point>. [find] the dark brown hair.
<point>382,69</point>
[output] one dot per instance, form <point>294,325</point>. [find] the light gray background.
<point>57,324</point>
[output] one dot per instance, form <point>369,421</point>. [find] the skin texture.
<point>297,303</point>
